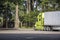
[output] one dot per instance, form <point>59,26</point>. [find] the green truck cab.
<point>39,25</point>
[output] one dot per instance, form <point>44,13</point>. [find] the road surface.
<point>29,35</point>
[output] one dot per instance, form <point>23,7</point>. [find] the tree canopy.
<point>8,9</point>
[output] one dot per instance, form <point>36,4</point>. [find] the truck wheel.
<point>35,28</point>
<point>44,28</point>
<point>47,29</point>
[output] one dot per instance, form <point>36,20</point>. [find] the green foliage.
<point>46,5</point>
<point>16,1</point>
<point>29,18</point>
<point>49,5</point>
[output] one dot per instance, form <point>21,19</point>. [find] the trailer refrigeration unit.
<point>48,21</point>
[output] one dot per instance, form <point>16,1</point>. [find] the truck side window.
<point>40,16</point>
<point>39,19</point>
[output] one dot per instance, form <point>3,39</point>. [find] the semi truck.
<point>48,21</point>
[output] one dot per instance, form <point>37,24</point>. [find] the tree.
<point>16,2</point>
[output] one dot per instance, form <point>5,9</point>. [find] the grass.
<point>24,27</point>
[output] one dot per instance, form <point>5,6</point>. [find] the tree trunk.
<point>32,4</point>
<point>28,6</point>
<point>16,18</point>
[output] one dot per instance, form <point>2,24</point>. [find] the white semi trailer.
<point>48,21</point>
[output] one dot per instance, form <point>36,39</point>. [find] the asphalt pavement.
<point>29,35</point>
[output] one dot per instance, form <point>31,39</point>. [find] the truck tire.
<point>35,28</point>
<point>47,28</point>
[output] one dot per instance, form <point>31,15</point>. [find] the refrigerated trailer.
<point>48,21</point>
